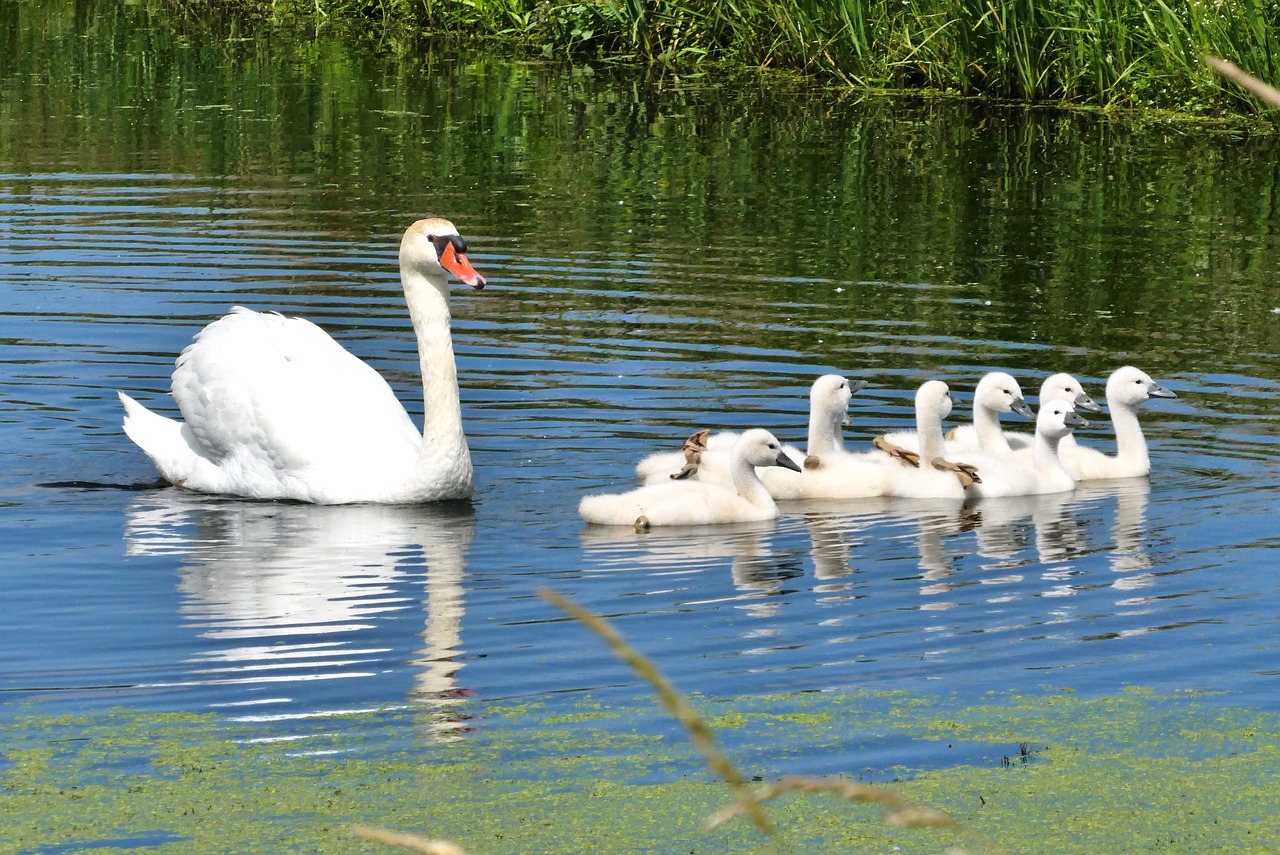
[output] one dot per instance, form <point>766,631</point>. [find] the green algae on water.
<point>1116,774</point>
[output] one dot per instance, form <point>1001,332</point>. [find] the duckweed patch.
<point>1125,773</point>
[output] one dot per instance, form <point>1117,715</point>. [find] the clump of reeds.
<point>1100,52</point>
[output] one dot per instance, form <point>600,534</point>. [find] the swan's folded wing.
<point>278,389</point>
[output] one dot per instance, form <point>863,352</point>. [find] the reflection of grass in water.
<point>1119,774</point>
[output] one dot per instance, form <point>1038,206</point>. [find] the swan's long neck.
<point>1131,445</point>
<point>986,424</point>
<point>929,431</point>
<point>1044,455</point>
<point>748,483</point>
<point>824,430</point>
<point>444,457</point>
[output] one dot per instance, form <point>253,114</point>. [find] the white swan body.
<point>1000,474</point>
<point>1038,470</point>
<point>690,502</point>
<point>1066,388</point>
<point>836,475</point>
<point>933,404</point>
<point>829,397</point>
<point>830,471</point>
<point>273,408</point>
<point>713,466</point>
<point>1128,388</point>
<point>996,393</point>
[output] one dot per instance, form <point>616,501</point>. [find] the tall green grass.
<point>1101,52</point>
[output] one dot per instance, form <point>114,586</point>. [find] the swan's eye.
<point>441,241</point>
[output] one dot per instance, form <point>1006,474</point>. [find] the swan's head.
<point>1068,388</point>
<point>1000,393</point>
<point>830,393</point>
<point>1057,418</point>
<point>761,448</point>
<point>1130,386</point>
<point>434,245</point>
<point>934,397</point>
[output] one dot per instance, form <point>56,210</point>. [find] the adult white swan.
<point>691,502</point>
<point>1128,388</point>
<point>273,408</point>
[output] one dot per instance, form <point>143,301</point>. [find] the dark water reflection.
<point>658,258</point>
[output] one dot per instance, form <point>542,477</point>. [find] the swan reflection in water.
<point>758,571</point>
<point>1044,534</point>
<point>277,585</point>
<point>827,577</point>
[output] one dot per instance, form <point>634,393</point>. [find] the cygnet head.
<point>830,393</point>
<point>1130,386</point>
<point>758,447</point>
<point>1057,418</point>
<point>933,396</point>
<point>1000,393</point>
<point>433,246</point>
<point>1068,388</point>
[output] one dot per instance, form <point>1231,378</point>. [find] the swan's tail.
<point>160,438</point>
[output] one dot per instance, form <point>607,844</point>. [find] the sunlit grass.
<point>1100,52</point>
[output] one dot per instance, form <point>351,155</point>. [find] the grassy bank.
<point>1130,53</point>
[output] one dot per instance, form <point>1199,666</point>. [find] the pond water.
<point>661,256</point>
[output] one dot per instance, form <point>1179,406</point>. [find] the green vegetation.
<point>1096,52</point>
<point>1073,231</point>
<point>1045,772</point>
<point>1124,774</point>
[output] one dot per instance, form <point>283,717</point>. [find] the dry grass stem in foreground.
<point>1229,70</point>
<point>897,810</point>
<point>699,731</point>
<point>408,841</point>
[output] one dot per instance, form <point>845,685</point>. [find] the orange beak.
<point>457,264</point>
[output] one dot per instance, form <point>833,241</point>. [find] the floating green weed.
<point>1118,774</point>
